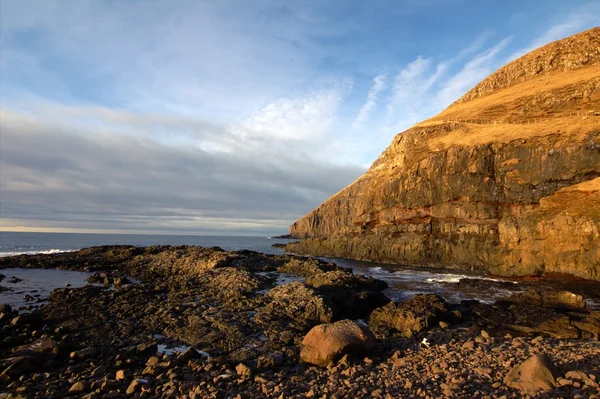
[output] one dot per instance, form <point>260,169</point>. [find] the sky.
<point>230,117</point>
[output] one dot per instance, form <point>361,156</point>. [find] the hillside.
<point>505,180</point>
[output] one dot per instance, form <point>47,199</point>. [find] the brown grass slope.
<point>467,188</point>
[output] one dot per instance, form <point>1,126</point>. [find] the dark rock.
<point>15,367</point>
<point>354,296</point>
<point>86,353</point>
<point>42,346</point>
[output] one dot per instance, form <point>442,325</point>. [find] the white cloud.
<point>296,119</point>
<point>379,84</point>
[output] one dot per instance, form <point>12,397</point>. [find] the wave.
<point>455,278</point>
<point>44,252</point>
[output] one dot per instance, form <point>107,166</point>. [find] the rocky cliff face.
<point>505,180</point>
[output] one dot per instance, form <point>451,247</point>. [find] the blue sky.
<point>230,117</point>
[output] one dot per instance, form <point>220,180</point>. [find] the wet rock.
<point>13,280</point>
<point>326,343</point>
<point>409,317</point>
<point>299,302</point>
<point>535,374</point>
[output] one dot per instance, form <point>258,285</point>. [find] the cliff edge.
<point>505,180</point>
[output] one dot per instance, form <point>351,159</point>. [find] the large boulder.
<point>409,317</point>
<point>327,343</point>
<point>299,302</point>
<point>354,296</point>
<point>535,374</point>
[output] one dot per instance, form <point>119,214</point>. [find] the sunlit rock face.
<point>505,180</point>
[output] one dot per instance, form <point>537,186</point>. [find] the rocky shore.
<point>196,322</point>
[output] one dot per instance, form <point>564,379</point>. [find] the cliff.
<point>505,180</point>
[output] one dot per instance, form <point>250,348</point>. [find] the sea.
<point>403,281</point>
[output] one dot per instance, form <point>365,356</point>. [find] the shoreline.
<point>103,341</point>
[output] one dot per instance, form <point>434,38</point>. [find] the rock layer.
<point>505,180</point>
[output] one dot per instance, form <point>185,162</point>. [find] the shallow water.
<point>37,283</point>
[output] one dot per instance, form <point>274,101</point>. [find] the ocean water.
<point>12,243</point>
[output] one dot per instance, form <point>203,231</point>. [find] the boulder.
<point>559,299</point>
<point>42,346</point>
<point>299,302</point>
<point>86,353</point>
<point>415,315</point>
<point>327,343</point>
<point>535,374</point>
<point>354,296</point>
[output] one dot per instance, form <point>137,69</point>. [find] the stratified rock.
<point>326,343</point>
<point>409,317</point>
<point>506,180</point>
<point>299,302</point>
<point>535,374</point>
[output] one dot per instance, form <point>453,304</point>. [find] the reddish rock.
<point>327,343</point>
<point>535,374</point>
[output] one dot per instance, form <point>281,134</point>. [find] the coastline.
<point>247,329</point>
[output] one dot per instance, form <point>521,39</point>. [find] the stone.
<point>123,374</point>
<point>409,317</point>
<point>148,348</point>
<point>327,343</point>
<point>136,386</point>
<point>244,370</point>
<point>99,371</point>
<point>42,346</point>
<point>535,374</point>
<point>86,353</point>
<point>80,387</point>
